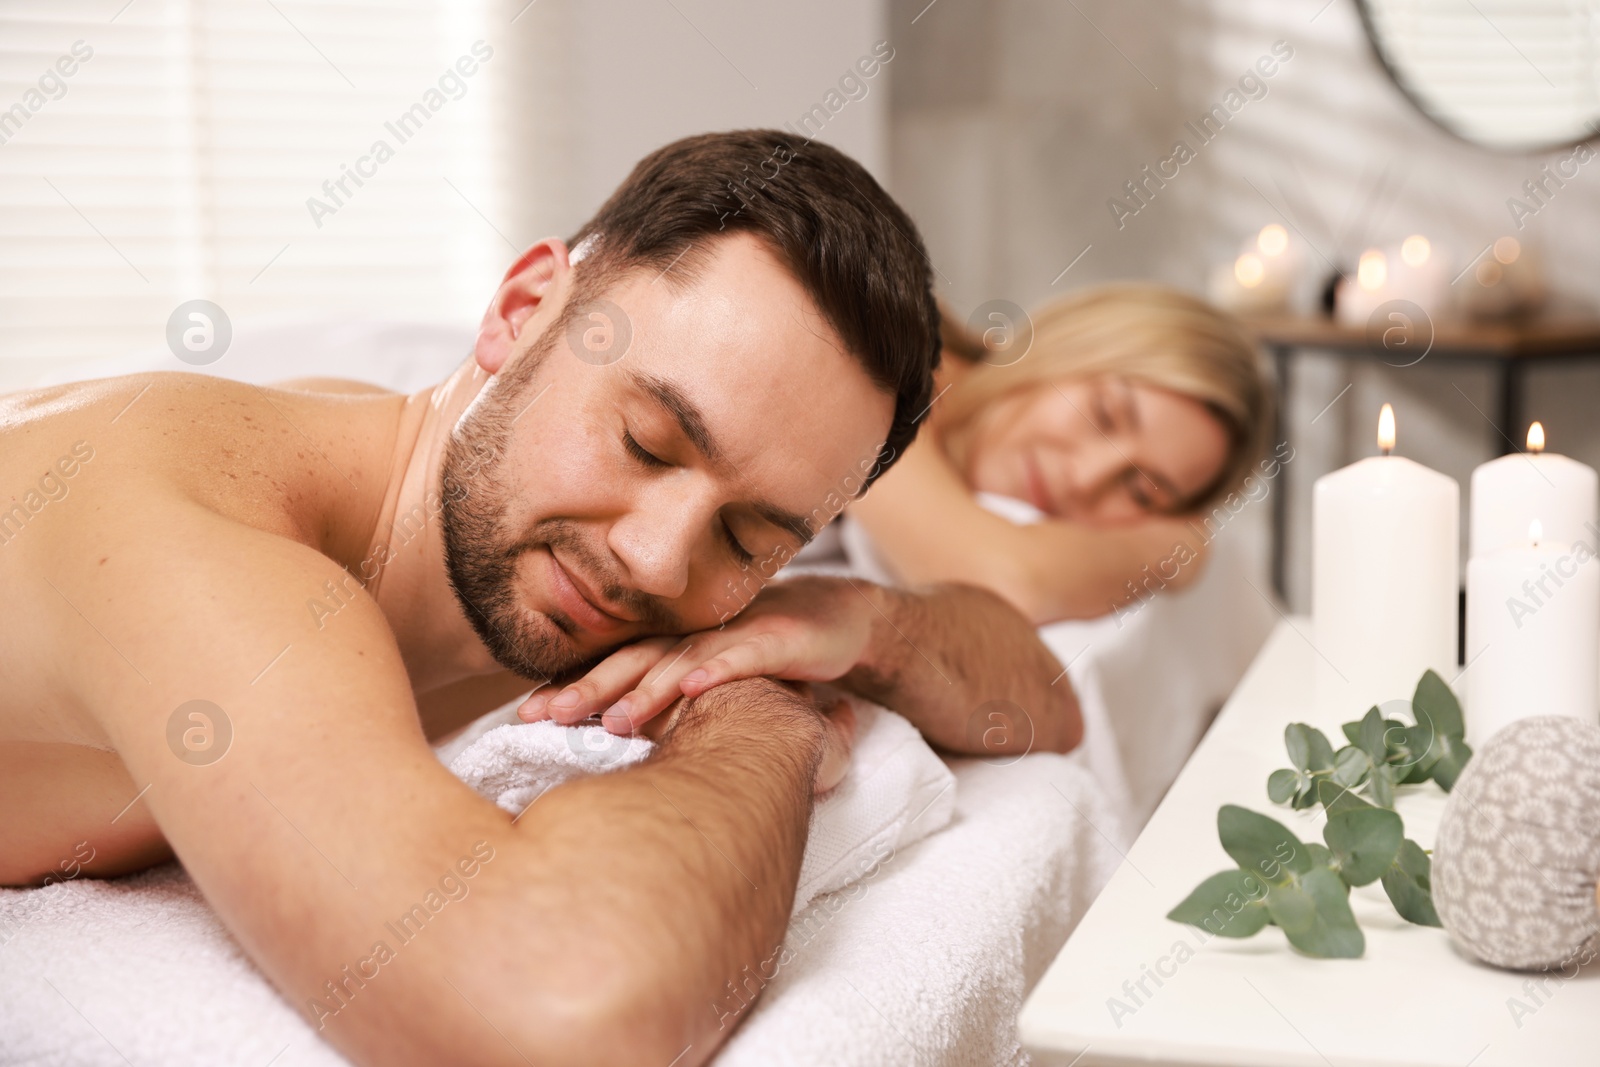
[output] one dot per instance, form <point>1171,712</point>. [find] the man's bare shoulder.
<point>274,459</point>
<point>116,496</point>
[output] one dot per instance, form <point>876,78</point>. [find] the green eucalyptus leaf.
<point>1453,756</point>
<point>1371,740</point>
<point>1307,796</point>
<point>1320,856</point>
<point>1291,907</point>
<point>1409,885</point>
<point>1228,904</point>
<point>1380,786</point>
<point>1352,731</point>
<point>1394,736</point>
<point>1299,748</point>
<point>1365,840</point>
<point>1351,766</point>
<point>1336,798</point>
<point>1261,845</point>
<point>1282,785</point>
<point>1308,747</point>
<point>1422,752</point>
<point>1434,703</point>
<point>1314,913</point>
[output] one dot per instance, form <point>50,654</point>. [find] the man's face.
<point>605,501</point>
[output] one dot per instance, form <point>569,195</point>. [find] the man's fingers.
<point>595,691</point>
<point>757,655</point>
<point>660,687</point>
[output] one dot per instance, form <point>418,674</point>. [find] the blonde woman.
<point>1136,410</point>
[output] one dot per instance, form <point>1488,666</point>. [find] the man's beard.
<point>481,552</point>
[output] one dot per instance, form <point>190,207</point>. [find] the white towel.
<point>895,792</point>
<point>926,962</point>
<point>139,970</point>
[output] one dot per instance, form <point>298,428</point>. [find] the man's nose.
<point>656,540</point>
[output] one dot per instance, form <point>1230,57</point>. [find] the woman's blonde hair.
<point>1150,334</point>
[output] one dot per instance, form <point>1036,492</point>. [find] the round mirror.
<point>1505,74</point>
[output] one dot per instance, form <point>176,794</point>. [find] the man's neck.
<point>402,559</point>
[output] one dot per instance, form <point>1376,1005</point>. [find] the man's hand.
<point>945,656</point>
<point>807,629</point>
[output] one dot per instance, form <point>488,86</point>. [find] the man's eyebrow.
<point>798,525</point>
<point>693,424</point>
<point>684,412</point>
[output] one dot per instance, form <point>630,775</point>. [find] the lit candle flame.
<point>1386,429</point>
<point>1535,531</point>
<point>1536,438</point>
<point>1372,270</point>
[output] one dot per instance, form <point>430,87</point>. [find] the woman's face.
<point>1105,451</point>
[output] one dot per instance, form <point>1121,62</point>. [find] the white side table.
<point>1131,987</point>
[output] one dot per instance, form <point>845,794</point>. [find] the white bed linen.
<point>927,964</point>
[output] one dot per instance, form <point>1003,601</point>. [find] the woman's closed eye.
<point>1101,411</point>
<point>1137,486</point>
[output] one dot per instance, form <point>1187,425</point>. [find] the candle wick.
<point>1388,450</point>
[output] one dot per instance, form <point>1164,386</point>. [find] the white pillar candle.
<point>1385,579</point>
<point>1511,492</point>
<point>1533,634</point>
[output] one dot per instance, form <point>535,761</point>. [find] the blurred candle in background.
<point>1510,492</point>
<point>1385,578</point>
<point>1533,633</point>
<point>1415,271</point>
<point>1262,278</point>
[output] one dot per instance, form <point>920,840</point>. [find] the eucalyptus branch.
<point>1303,888</point>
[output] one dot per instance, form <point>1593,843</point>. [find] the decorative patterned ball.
<point>1518,853</point>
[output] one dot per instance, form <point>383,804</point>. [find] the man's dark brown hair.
<point>851,248</point>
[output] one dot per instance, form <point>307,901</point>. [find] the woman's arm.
<point>930,527</point>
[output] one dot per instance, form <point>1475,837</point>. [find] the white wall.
<point>645,72</point>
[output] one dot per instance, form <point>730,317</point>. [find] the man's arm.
<point>967,670</point>
<point>958,661</point>
<point>411,920</point>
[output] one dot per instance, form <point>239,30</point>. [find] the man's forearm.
<point>688,863</point>
<point>967,669</point>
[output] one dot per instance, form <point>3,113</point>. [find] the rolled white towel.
<point>896,791</point>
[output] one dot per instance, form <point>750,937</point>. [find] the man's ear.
<point>540,274</point>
